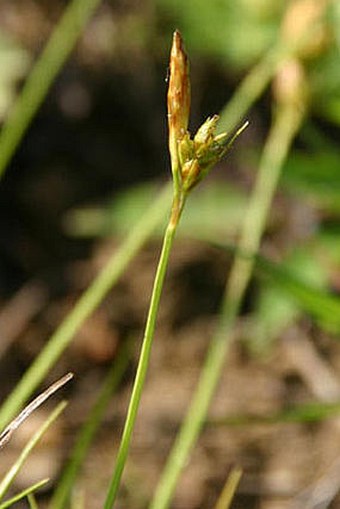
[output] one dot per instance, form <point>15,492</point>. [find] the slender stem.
<point>286,123</point>
<point>143,363</point>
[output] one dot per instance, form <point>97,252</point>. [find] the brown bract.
<point>179,89</point>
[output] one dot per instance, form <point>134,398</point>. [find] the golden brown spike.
<point>179,89</point>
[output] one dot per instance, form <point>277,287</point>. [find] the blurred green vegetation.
<point>234,33</point>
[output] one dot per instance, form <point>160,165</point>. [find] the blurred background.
<point>91,160</point>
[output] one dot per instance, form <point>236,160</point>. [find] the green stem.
<point>143,362</point>
<point>286,124</point>
<point>230,487</point>
<point>32,501</point>
<point>84,307</point>
<point>62,493</point>
<point>42,75</point>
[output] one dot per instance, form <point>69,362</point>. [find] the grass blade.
<point>310,412</point>
<point>23,494</point>
<point>13,471</point>
<point>62,493</point>
<point>319,303</point>
<point>229,489</point>
<point>32,501</point>
<point>42,75</point>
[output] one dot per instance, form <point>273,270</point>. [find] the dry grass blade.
<point>31,407</point>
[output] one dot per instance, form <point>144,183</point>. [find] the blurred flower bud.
<point>304,27</point>
<point>290,84</point>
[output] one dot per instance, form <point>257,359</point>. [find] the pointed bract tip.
<point>177,35</point>
<point>177,44</point>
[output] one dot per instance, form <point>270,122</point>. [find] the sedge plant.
<point>289,113</point>
<point>191,160</point>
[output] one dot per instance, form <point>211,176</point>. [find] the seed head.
<point>179,89</point>
<point>191,157</point>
